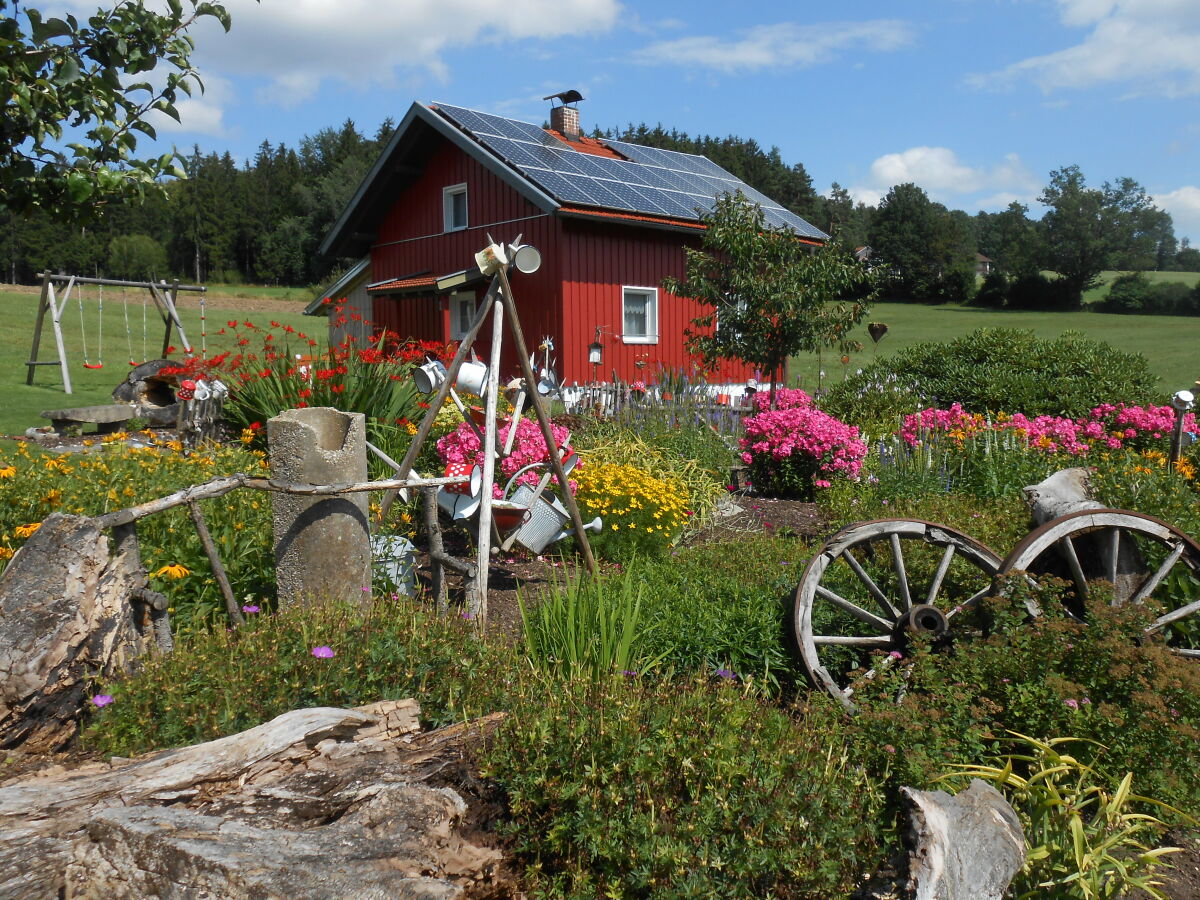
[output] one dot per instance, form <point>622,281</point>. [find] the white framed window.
<point>454,207</point>
<point>462,313</point>
<point>639,315</point>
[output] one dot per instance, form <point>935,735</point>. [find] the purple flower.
<point>467,615</point>
<point>1086,702</point>
<point>102,700</point>
<point>726,674</point>
<point>896,654</point>
<point>1071,704</point>
<point>629,673</point>
<point>250,608</point>
<point>323,652</point>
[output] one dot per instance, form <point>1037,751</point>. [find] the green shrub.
<point>1036,291</point>
<point>995,370</point>
<point>1134,293</point>
<point>641,788</point>
<point>718,607</point>
<point>1101,681</point>
<point>224,681</point>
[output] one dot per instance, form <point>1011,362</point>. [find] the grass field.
<point>1171,343</point>
<point>24,403</point>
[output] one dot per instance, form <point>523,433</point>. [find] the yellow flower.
<point>8,471</point>
<point>6,552</point>
<point>175,570</point>
<point>25,531</point>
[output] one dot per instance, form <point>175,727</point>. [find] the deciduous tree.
<point>77,95</point>
<point>769,295</point>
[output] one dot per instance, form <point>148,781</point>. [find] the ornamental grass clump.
<point>642,515</point>
<point>794,449</point>
<point>1086,839</point>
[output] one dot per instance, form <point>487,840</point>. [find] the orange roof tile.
<point>633,217</point>
<point>404,284</point>
<point>586,145</point>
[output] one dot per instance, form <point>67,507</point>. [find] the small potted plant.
<point>637,390</point>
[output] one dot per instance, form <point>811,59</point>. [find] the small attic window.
<point>454,207</point>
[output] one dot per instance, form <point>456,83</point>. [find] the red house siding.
<point>411,240</point>
<point>599,260</point>
<point>579,287</point>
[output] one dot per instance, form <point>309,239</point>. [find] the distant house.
<point>983,265</point>
<point>610,218</point>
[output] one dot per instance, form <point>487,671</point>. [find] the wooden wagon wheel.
<point>1139,555</point>
<point>873,585</point>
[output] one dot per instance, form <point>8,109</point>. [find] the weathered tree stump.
<point>66,617</point>
<point>969,845</point>
<point>318,803</point>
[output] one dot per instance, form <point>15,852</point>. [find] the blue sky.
<point>974,100</point>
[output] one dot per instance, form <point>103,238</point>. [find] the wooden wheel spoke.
<point>1151,584</point>
<point>1182,613</point>
<point>869,583</point>
<point>901,575</point>
<point>883,626</point>
<point>1114,550</point>
<point>1191,654</point>
<point>970,603</point>
<point>866,640</point>
<point>940,575</point>
<point>1067,549</point>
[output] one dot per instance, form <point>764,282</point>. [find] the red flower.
<point>307,392</point>
<point>337,388</point>
<point>232,323</point>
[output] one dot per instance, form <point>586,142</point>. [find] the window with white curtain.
<point>639,315</point>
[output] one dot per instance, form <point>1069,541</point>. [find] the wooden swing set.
<point>56,293</point>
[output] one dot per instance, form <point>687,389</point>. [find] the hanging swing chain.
<point>128,330</point>
<point>87,363</point>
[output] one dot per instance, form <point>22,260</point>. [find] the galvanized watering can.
<point>548,521</point>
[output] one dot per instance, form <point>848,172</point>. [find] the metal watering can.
<point>548,521</point>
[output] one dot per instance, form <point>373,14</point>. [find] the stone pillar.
<point>322,544</point>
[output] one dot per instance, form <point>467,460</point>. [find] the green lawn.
<point>23,403</point>
<point>1171,343</point>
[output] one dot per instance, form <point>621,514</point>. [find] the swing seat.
<point>93,365</point>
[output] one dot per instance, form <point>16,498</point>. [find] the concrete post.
<point>322,544</point>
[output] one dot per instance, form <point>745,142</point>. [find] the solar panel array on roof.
<point>649,181</point>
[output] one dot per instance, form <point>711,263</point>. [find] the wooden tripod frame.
<point>498,302</point>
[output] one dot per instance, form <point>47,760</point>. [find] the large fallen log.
<point>318,803</point>
<point>66,617</point>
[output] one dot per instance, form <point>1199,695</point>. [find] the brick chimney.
<point>565,120</point>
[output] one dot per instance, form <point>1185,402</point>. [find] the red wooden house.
<point>610,219</point>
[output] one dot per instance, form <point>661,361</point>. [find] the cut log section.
<point>318,803</point>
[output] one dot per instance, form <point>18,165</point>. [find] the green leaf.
<point>51,28</point>
<point>68,72</point>
<point>79,187</point>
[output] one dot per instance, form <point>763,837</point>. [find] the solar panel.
<point>649,180</point>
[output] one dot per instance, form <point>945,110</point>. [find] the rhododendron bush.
<point>795,448</point>
<point>462,446</point>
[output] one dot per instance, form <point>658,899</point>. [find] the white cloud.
<point>783,45</point>
<point>1184,206</point>
<point>1149,45</point>
<point>300,44</point>
<point>949,180</point>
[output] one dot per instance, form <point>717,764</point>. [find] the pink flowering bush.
<point>793,450</point>
<point>1107,426</point>
<point>462,446</point>
<point>785,398</point>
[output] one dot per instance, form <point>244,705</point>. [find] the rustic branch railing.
<point>124,523</point>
